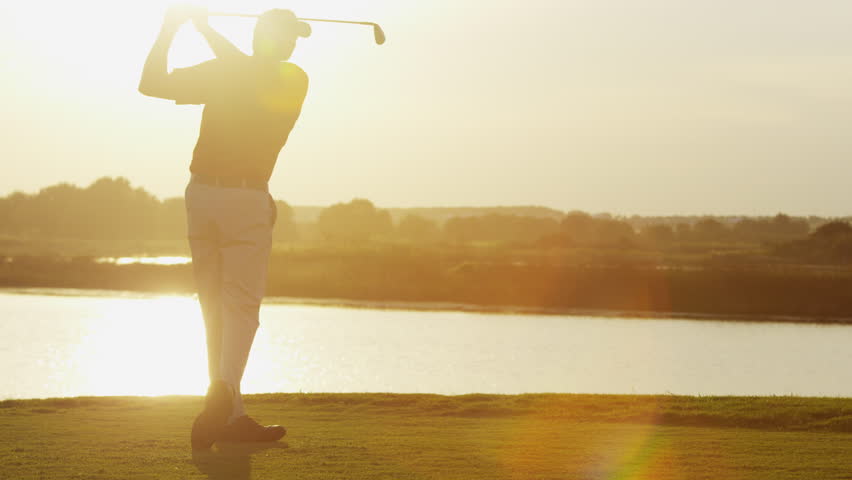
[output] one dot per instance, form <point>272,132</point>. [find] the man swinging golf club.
<point>251,103</point>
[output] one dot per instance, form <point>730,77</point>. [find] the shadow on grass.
<point>230,461</point>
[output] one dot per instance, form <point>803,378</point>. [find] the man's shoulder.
<point>291,71</point>
<point>293,67</point>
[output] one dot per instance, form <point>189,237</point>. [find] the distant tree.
<point>659,234</point>
<point>418,229</point>
<point>683,231</point>
<point>833,229</point>
<point>710,229</point>
<point>114,209</point>
<point>462,229</point>
<point>356,221</point>
<point>18,215</point>
<point>829,244</point>
<point>59,207</point>
<point>499,228</point>
<point>613,232</point>
<point>285,228</point>
<point>779,228</point>
<point>580,226</point>
<point>602,230</point>
<point>749,229</point>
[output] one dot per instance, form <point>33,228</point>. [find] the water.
<point>136,345</point>
<point>179,260</point>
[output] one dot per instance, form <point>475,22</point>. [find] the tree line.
<point>108,209</point>
<point>111,208</point>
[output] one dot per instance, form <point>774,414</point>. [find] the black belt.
<point>231,182</point>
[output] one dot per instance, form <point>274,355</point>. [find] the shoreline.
<point>450,307</point>
<point>736,411</point>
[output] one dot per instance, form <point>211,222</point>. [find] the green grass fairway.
<point>384,436</point>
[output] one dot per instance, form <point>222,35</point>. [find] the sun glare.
<point>149,260</point>
<point>154,348</point>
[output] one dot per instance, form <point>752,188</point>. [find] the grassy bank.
<point>546,283</point>
<point>383,436</point>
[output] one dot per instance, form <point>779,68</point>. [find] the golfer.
<point>251,103</point>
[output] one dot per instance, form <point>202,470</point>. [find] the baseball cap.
<point>285,19</point>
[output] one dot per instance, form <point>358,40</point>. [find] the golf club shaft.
<point>248,15</point>
<point>337,21</point>
<point>378,33</point>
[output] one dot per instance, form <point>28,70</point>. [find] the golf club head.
<point>379,34</point>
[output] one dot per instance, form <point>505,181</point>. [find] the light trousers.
<point>230,236</point>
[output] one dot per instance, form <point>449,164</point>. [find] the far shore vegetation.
<point>532,257</point>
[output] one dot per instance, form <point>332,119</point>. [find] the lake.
<point>67,343</point>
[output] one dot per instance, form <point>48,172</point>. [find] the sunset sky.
<point>625,106</point>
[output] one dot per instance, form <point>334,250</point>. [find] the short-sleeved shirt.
<point>250,107</point>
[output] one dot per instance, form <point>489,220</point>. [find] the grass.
<point>386,436</point>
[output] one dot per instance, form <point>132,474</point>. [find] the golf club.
<point>378,33</point>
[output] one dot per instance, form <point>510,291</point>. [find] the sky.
<point>649,107</point>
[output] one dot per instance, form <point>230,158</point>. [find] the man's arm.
<point>155,74</point>
<point>220,45</point>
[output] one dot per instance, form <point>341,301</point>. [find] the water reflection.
<point>146,260</point>
<point>68,346</point>
<point>144,347</point>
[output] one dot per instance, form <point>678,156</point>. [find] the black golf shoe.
<point>209,424</point>
<point>245,429</point>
